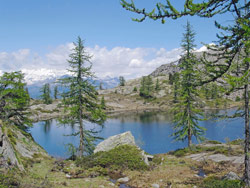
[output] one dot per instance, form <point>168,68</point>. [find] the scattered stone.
<point>112,184</point>
<point>231,176</point>
<point>123,180</point>
<point>155,185</point>
<point>68,176</point>
<point>114,141</point>
<point>101,186</point>
<point>146,157</point>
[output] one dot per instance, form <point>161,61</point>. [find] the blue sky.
<point>42,27</point>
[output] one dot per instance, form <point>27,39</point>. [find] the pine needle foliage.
<point>81,101</point>
<point>147,87</point>
<point>187,114</point>
<point>45,90</point>
<point>14,100</point>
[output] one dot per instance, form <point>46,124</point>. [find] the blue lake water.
<point>151,130</point>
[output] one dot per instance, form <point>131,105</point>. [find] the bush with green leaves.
<point>213,182</point>
<point>120,158</point>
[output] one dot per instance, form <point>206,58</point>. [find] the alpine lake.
<point>152,131</point>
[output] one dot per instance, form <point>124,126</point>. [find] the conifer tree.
<point>103,104</point>
<point>100,86</point>
<point>157,85</point>
<point>147,87</point>
<point>46,94</point>
<point>175,83</point>
<point>122,81</point>
<point>55,92</point>
<point>186,111</point>
<point>14,100</point>
<point>81,100</point>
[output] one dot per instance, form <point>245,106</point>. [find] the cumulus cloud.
<point>118,61</point>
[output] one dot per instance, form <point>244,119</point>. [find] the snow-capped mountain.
<point>35,79</point>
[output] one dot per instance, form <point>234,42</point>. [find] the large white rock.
<point>116,140</point>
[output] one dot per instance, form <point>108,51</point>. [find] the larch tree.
<point>14,100</point>
<point>234,38</point>
<point>45,90</point>
<point>157,85</point>
<point>186,110</point>
<point>81,101</point>
<point>122,81</point>
<point>147,87</point>
<point>55,92</point>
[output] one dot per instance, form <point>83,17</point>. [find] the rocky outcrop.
<point>121,139</point>
<point>170,68</point>
<point>16,146</point>
<point>7,153</point>
<point>216,158</point>
<point>231,176</point>
<point>41,112</point>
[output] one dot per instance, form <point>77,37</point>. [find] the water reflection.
<point>47,125</point>
<point>151,130</point>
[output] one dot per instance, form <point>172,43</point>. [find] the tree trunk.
<point>189,137</point>
<point>81,129</point>
<point>246,150</point>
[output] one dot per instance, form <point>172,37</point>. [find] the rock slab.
<point>116,140</point>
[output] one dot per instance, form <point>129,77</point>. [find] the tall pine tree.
<point>81,101</point>
<point>186,111</point>
<point>46,94</point>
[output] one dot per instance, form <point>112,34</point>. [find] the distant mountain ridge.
<point>37,78</point>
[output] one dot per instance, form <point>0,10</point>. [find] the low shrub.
<point>121,157</point>
<point>237,142</point>
<point>213,142</point>
<point>213,182</point>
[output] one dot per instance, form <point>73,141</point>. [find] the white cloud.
<point>135,63</point>
<point>118,61</point>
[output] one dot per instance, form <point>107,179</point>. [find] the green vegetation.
<point>186,112</point>
<point>122,81</point>
<point>81,101</point>
<point>103,104</point>
<point>55,92</point>
<point>213,149</point>
<point>146,89</point>
<point>157,85</point>
<point>14,100</point>
<point>119,158</point>
<point>11,136</point>
<point>214,182</point>
<point>45,90</point>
